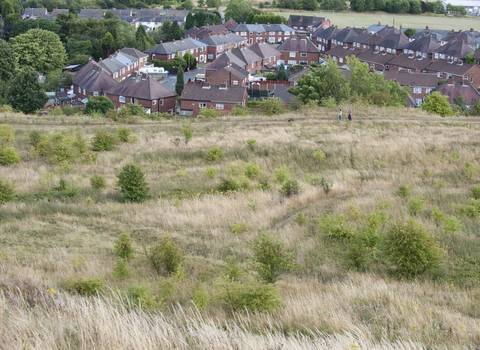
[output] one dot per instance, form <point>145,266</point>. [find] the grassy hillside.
<point>57,237</point>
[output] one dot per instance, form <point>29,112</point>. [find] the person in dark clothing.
<point>350,114</point>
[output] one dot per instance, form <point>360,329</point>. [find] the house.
<point>231,75</point>
<point>420,84</point>
<point>458,71</point>
<point>454,50</point>
<point>224,60</point>
<point>166,51</point>
<point>437,35</point>
<point>377,60</point>
<point>92,80</point>
<point>34,13</point>
<point>387,30</point>
<point>56,12</point>
<point>392,43</point>
<point>218,44</point>
<point>145,91</point>
<point>221,97</point>
<point>273,33</point>
<point>91,13</point>
<point>322,37</point>
<point>345,37</point>
<point>340,53</point>
<point>424,47</point>
<point>208,30</point>
<point>267,53</point>
<point>462,37</point>
<point>298,50</point>
<point>409,63</point>
<point>366,40</point>
<point>124,62</point>
<point>375,28</point>
<point>454,89</point>
<point>253,62</point>
<point>307,24</point>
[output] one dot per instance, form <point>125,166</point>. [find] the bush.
<point>290,188</point>
<point>123,247</point>
<point>411,250</point>
<point>65,189</point>
<point>252,170</point>
<point>58,148</point>
<point>211,172</point>
<point>239,111</point>
<point>210,113</point>
<point>104,141</point>
<point>187,131</point>
<point>272,106</point>
<point>251,143</point>
<point>319,155</point>
<point>238,227</point>
<point>34,138</point>
<point>121,269</point>
<point>415,205</point>
<point>7,135</point>
<point>437,103</point>
<point>98,105</point>
<point>469,170</point>
<point>228,185</point>
<point>437,215</point>
<point>142,297</point>
<point>250,296</point>
<point>270,258</point>
<point>200,298</point>
<point>123,134</point>
<point>8,156</point>
<point>98,182</point>
<point>214,153</point>
<point>452,225</point>
<point>403,191</point>
<point>281,174</point>
<point>165,256</point>
<point>85,287</point>
<point>335,227</point>
<point>471,209</point>
<point>475,190</point>
<point>132,183</point>
<point>7,191</point>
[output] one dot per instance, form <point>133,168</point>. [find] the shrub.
<point>452,225</point>
<point>65,189</point>
<point>270,258</point>
<point>475,190</point>
<point>123,247</point>
<point>251,143</point>
<point>187,131</point>
<point>7,191</point>
<point>290,188</point>
<point>403,191</point>
<point>98,182</point>
<point>104,141</point>
<point>58,149</point>
<point>325,185</point>
<point>98,105</point>
<point>80,143</point>
<point>437,103</point>
<point>250,296</point>
<point>319,155</point>
<point>8,156</point>
<point>132,183</point>
<point>211,172</point>
<point>208,113</point>
<point>228,185</point>
<point>281,174</point>
<point>411,250</point>
<point>272,106</point>
<point>471,209</point>
<point>121,269</point>
<point>238,227</point>
<point>437,215</point>
<point>252,170</point>
<point>239,111</point>
<point>415,205</point>
<point>214,153</point>
<point>201,298</point>
<point>165,256</point>
<point>85,287</point>
<point>142,297</point>
<point>7,135</point>
<point>123,134</point>
<point>335,227</point>
<point>300,219</point>
<point>34,138</point>
<point>469,170</point>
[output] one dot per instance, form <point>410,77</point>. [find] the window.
<point>95,93</point>
<point>79,89</point>
<point>340,59</point>
<point>293,54</point>
<point>372,65</point>
<point>292,62</point>
<point>287,33</point>
<point>154,102</point>
<point>235,82</point>
<point>210,56</point>
<point>161,102</point>
<point>121,99</point>
<point>427,90</point>
<point>303,54</point>
<point>409,71</point>
<point>440,74</point>
<point>243,33</point>
<point>303,63</point>
<point>271,33</point>
<point>202,105</point>
<point>418,101</point>
<point>271,40</point>
<point>417,90</point>
<point>387,67</point>
<point>219,106</point>
<point>465,77</point>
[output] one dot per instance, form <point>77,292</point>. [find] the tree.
<point>179,61</point>
<point>180,81</point>
<point>310,5</point>
<point>188,5</point>
<point>132,184</point>
<point>39,49</point>
<point>166,30</point>
<point>7,61</point>
<point>214,3</point>
<point>411,250</point>
<point>108,44</point>
<point>239,10</point>
<point>176,31</point>
<point>409,32</point>
<point>189,21</point>
<point>190,60</point>
<point>468,59</point>
<point>99,104</point>
<point>201,3</point>
<point>361,82</point>
<point>436,103</point>
<point>40,23</point>
<point>415,7</point>
<point>141,38</point>
<point>26,94</point>
<point>281,74</point>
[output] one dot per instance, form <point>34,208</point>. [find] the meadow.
<point>59,287</point>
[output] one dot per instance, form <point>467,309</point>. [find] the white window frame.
<point>202,105</point>
<point>121,99</point>
<point>293,54</point>
<point>303,54</point>
<point>154,102</point>
<point>219,106</point>
<point>417,90</point>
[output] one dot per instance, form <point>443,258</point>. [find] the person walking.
<point>340,114</point>
<point>350,114</point>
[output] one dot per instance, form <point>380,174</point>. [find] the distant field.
<point>343,19</point>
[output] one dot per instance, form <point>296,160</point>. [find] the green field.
<point>343,19</point>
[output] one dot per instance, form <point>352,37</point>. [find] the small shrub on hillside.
<point>281,174</point>
<point>123,247</point>
<point>436,103</point>
<point>271,106</point>
<point>270,257</point>
<point>469,171</point>
<point>248,296</point>
<point>244,183</point>
<point>475,191</point>
<point>66,189</point>
<point>357,256</point>
<point>104,141</point>
<point>471,209</point>
<point>6,109</point>
<point>300,219</point>
<point>209,113</point>
<point>123,134</point>
<point>327,187</point>
<point>415,205</point>
<point>7,135</point>
<point>251,143</point>
<point>403,191</point>
<point>142,297</point>
<point>411,249</point>
<point>85,287</point>
<point>211,172</point>
<point>121,269</point>
<point>70,110</point>
<point>165,256</point>
<point>7,191</point>
<point>452,225</point>
<point>214,154</point>
<point>132,184</point>
<point>8,156</point>
<point>239,111</point>
<point>376,219</point>
<point>58,149</point>
<point>98,182</point>
<point>319,155</point>
<point>437,215</point>
<point>80,143</point>
<point>232,270</point>
<point>252,170</point>
<point>264,183</point>
<point>239,227</point>
<point>34,138</point>
<point>328,102</point>
<point>187,131</point>
<point>228,185</point>
<point>335,227</point>
<point>290,188</point>
<point>201,298</point>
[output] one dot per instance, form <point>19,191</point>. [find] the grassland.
<point>47,242</point>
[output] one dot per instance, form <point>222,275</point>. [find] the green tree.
<point>123,247</point>
<point>189,21</point>
<point>239,10</point>
<point>39,49</point>
<point>179,61</point>
<point>281,74</point>
<point>415,7</point>
<point>214,3</point>
<point>166,31</point>
<point>177,32</point>
<point>26,94</point>
<point>141,38</point>
<point>188,5</point>
<point>7,61</point>
<point>436,103</point>
<point>99,104</point>
<point>361,82</point>
<point>190,60</point>
<point>39,23</point>
<point>270,257</point>
<point>468,59</point>
<point>132,184</point>
<point>200,3</point>
<point>310,5</point>
<point>411,250</point>
<point>165,256</point>
<point>180,82</point>
<point>108,44</point>
<point>7,191</point>
<point>409,32</point>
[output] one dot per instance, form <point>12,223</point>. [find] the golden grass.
<point>44,244</point>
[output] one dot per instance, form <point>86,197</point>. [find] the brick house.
<point>123,63</point>
<point>366,41</point>
<point>91,13</point>
<point>409,63</point>
<point>377,60</point>
<point>224,60</point>
<point>307,24</point>
<point>221,97</point>
<point>34,13</point>
<point>345,37</point>
<point>393,43</point>
<point>218,44</point>
<point>454,89</point>
<point>340,53</point>
<point>144,90</point>
<point>166,51</point>
<point>323,38</point>
<point>298,50</point>
<point>460,36</point>
<point>231,75</point>
<point>272,33</point>
<point>454,50</point>
<point>253,62</point>
<point>267,53</point>
<point>458,71</point>
<point>91,80</point>
<point>424,47</point>
<point>419,84</point>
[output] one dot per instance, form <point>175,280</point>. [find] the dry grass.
<point>44,244</point>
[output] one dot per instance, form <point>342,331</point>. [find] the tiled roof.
<point>434,34</point>
<point>223,60</point>
<point>341,51</point>
<point>463,36</point>
<point>448,67</point>
<point>264,50</point>
<point>246,55</point>
<point>93,78</point>
<point>476,55</point>
<point>197,92</point>
<point>326,34</point>
<point>455,49</point>
<point>215,40</point>
<point>387,31</point>
<point>133,52</point>
<point>346,35</point>
<point>411,62</point>
<point>111,65</point>
<point>394,41</point>
<point>173,46</point>
<point>376,27</point>
<point>235,70</point>
<point>35,12</point>
<point>141,86</point>
<point>374,56</point>
<point>297,76</point>
<point>457,89</point>
<point>412,79</point>
<point>305,21</point>
<point>299,44</point>
<point>91,13</point>
<point>423,44</point>
<point>280,91</point>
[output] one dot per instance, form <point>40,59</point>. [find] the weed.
<point>211,172</point>
<point>201,298</point>
<point>98,182</point>
<point>214,154</point>
<point>187,131</point>
<point>319,155</point>
<point>403,191</point>
<point>300,219</point>
<point>121,269</point>
<point>238,227</point>
<point>85,287</point>
<point>123,247</point>
<point>7,191</point>
<point>104,141</point>
<point>475,191</point>
<point>290,188</point>
<point>281,174</point>
<point>251,143</point>
<point>415,205</point>
<point>228,185</point>
<point>469,171</point>
<point>452,225</point>
<point>437,215</point>
<point>326,186</point>
<point>335,227</point>
<point>165,256</point>
<point>252,170</point>
<point>8,156</point>
<point>142,297</point>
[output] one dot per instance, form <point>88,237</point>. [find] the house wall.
<point>194,106</point>
<point>200,53</point>
<point>154,105</point>
<point>288,57</point>
<point>224,76</point>
<point>271,37</point>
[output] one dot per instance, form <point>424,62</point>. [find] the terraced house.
<point>166,51</point>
